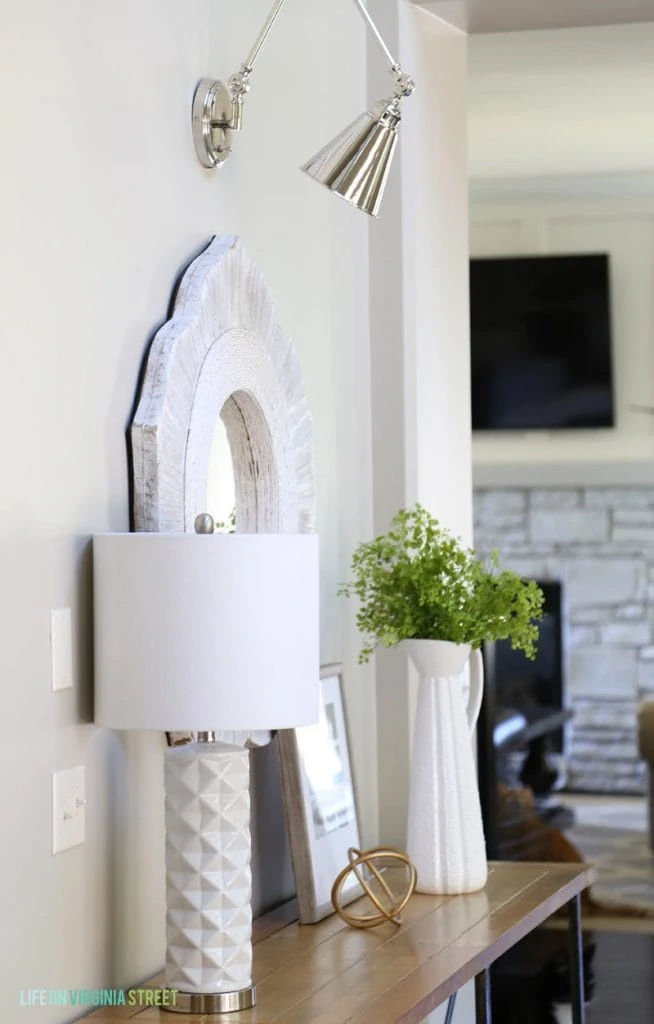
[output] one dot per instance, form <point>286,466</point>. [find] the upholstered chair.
<point>646,746</point>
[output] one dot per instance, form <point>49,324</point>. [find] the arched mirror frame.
<point>222,353</point>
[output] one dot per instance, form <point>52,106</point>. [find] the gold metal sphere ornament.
<point>375,870</point>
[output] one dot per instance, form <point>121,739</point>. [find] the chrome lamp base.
<point>211,1002</point>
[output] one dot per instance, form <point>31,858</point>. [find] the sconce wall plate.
<point>212,117</point>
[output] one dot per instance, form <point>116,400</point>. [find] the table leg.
<point>483,1014</point>
<point>451,1003</point>
<point>576,961</point>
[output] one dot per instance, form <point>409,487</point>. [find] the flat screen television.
<point>541,343</point>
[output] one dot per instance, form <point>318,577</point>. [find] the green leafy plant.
<point>419,582</point>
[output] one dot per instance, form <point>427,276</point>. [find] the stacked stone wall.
<point>599,542</point>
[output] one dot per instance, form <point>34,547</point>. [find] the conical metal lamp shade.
<point>356,163</point>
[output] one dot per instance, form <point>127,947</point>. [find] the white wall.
<point>102,204</point>
<point>420,350</point>
<point>569,101</point>
<point>560,127</point>
<point>420,344</point>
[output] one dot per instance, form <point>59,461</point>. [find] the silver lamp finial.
<point>204,523</point>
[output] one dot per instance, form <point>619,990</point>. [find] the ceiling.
<point>522,15</point>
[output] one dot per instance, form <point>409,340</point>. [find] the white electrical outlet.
<point>68,809</point>
<point>61,644</point>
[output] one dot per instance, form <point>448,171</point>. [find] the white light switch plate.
<point>61,643</point>
<point>68,809</point>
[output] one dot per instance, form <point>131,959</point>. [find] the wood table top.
<point>330,973</point>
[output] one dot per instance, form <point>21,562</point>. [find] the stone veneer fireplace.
<point>599,542</point>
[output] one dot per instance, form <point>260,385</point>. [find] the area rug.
<point>623,861</point>
<point>611,834</point>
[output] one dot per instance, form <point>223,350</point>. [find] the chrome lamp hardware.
<point>354,165</point>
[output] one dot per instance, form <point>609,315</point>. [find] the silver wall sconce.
<point>354,165</point>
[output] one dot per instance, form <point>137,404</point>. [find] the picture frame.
<point>320,802</point>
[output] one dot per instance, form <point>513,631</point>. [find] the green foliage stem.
<point>419,582</point>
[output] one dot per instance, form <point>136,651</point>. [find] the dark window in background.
<point>541,343</point>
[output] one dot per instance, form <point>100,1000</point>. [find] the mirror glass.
<point>221,500</point>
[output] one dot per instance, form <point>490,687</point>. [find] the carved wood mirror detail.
<point>222,354</point>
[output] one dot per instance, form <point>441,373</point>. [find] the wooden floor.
<point>624,979</point>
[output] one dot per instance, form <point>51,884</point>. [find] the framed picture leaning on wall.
<point>320,802</point>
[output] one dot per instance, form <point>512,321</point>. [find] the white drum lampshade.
<point>199,633</point>
<point>207,633</point>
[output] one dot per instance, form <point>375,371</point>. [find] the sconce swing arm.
<point>218,108</point>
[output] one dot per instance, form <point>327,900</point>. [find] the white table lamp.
<point>207,634</point>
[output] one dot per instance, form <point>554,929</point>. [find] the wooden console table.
<point>330,973</point>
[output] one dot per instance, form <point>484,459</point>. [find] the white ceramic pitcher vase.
<point>445,833</point>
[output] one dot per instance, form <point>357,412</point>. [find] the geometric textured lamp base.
<point>208,878</point>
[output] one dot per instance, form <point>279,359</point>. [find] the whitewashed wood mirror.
<point>222,354</point>
<point>222,422</point>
